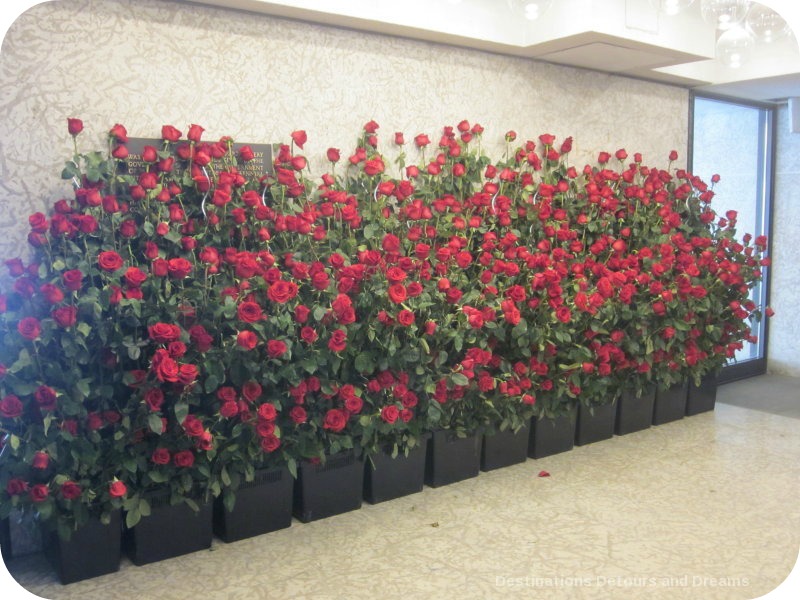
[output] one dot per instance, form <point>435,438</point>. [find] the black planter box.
<point>386,478</point>
<point>505,448</point>
<point>262,505</point>
<point>670,404</point>
<point>333,488</point>
<point>169,531</point>
<point>451,458</point>
<point>5,539</point>
<point>552,436</point>
<point>595,424</point>
<point>634,413</point>
<point>702,398</point>
<point>92,550</point>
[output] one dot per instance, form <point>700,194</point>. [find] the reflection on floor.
<point>705,507</point>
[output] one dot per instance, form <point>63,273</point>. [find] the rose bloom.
<point>298,414</point>
<point>405,318</point>
<point>70,490</point>
<point>72,279</point>
<point>184,458</point>
<point>249,312</point>
<point>333,154</point>
<point>335,420</point>
<point>170,133</point>
<point>247,340</point>
<point>160,456</point>
<point>40,460</point>
<point>163,333</point>
<point>251,391</point>
<point>308,335</point>
<point>154,398</point>
<point>390,413</point>
<point>282,291</point>
<point>74,126</point>
<point>117,489</point>
<point>338,341</point>
<point>39,493</point>
<point>276,348</point>
<point>46,397</point>
<point>16,486</point>
<point>109,261</point>
<point>29,328</point>
<point>11,407</point>
<point>65,316</point>
<point>179,268</point>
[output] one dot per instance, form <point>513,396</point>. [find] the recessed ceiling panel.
<point>609,57</point>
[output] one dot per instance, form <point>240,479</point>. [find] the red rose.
<point>29,328</point>
<point>673,155</point>
<point>247,340</point>
<point>298,414</point>
<point>160,456</point>
<point>227,394</point>
<point>338,341</point>
<point>39,493</point>
<point>187,374</point>
<point>335,420</point>
<point>270,443</point>
<point>268,412</point>
<point>119,133</point>
<point>390,413</point>
<point>170,134</point>
<point>621,154</point>
<point>40,460</point>
<point>109,261</point>
<point>74,126</point>
<point>308,335</point>
<point>120,152</point>
<point>117,489</point>
<point>563,314</point>
<point>65,316</point>
<point>333,155</point>
<point>135,277</point>
<point>184,458</point>
<point>430,327</point>
<point>276,348</point>
<point>399,139</point>
<point>195,133</point>
<point>299,137</point>
<point>166,369</point>
<point>397,293</point>
<point>282,291</point>
<point>72,280</point>
<point>421,140</point>
<point>511,135</point>
<point>16,486</point>
<point>405,318</point>
<point>200,338</point>
<point>179,268</point>
<point>15,267</point>
<point>10,407</point>
<point>374,166</point>
<point>38,222</point>
<point>249,312</point>
<point>246,153</point>
<point>228,410</point>
<point>354,404</point>
<point>163,333</point>
<point>154,398</point>
<point>251,391</point>
<point>70,490</point>
<point>46,397</point>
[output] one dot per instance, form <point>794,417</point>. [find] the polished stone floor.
<point>705,507</point>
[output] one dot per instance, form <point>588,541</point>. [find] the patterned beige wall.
<point>145,63</point>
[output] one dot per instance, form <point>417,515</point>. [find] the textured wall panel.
<point>146,63</point>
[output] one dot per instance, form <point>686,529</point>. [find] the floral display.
<point>180,326</point>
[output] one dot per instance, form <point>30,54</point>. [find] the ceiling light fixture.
<point>671,7</point>
<point>532,9</point>
<point>724,14</point>
<point>734,47</point>
<point>765,24</point>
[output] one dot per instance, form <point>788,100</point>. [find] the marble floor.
<point>705,507</point>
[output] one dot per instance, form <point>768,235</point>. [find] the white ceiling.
<point>627,37</point>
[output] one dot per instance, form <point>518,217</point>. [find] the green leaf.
<point>459,379</point>
<point>155,423</point>
<point>364,363</point>
<point>181,410</point>
<point>132,518</point>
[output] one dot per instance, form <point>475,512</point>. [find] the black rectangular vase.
<point>92,550</point>
<point>262,505</point>
<point>333,488</point>
<point>552,435</point>
<point>505,448</point>
<point>670,404</point>
<point>702,398</point>
<point>169,531</point>
<point>595,423</point>
<point>386,478</point>
<point>451,458</point>
<point>634,413</point>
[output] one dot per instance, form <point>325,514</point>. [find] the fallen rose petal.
<point>544,474</point>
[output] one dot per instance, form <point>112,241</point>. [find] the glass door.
<point>735,141</point>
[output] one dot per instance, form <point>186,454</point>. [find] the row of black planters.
<point>270,501</point>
